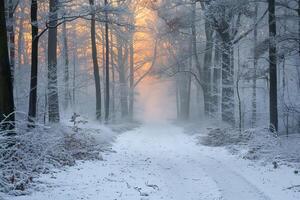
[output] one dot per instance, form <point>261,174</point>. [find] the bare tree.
<point>34,64</point>
<point>95,64</point>
<point>12,5</point>
<point>7,116</point>
<point>53,104</point>
<point>106,64</point>
<point>225,16</point>
<point>67,94</point>
<point>255,60</point>
<point>273,66</point>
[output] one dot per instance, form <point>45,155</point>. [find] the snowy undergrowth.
<point>257,144</point>
<point>44,148</point>
<point>124,126</point>
<point>261,144</point>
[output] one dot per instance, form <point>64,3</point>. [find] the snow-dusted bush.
<point>268,147</point>
<point>222,137</point>
<point>261,143</point>
<point>38,150</point>
<point>256,144</point>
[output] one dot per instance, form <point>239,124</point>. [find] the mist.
<point>149,99</point>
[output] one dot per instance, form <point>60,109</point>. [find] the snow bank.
<point>264,145</point>
<point>42,149</point>
<point>253,144</point>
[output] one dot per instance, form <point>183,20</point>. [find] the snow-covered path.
<point>155,161</point>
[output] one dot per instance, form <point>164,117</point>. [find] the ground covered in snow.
<point>160,161</point>
<point>39,150</point>
<point>257,144</point>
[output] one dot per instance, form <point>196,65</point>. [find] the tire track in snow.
<point>233,186</point>
<point>189,164</point>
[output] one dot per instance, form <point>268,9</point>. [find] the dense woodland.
<point>238,57</point>
<point>235,55</point>
<point>235,61</point>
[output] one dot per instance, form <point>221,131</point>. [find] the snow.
<point>159,161</point>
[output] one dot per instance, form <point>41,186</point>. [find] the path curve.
<point>153,162</point>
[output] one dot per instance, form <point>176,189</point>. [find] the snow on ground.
<point>160,161</point>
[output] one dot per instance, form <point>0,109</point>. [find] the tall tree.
<point>67,94</point>
<point>273,66</point>
<point>11,31</point>
<point>7,117</point>
<point>131,78</point>
<point>112,75</point>
<point>95,64</point>
<point>225,17</point>
<point>215,95</point>
<point>205,75</point>
<point>34,63</point>
<point>298,11</point>
<point>20,35</point>
<point>53,104</point>
<point>106,63</point>
<point>122,76</point>
<point>255,59</point>
<point>195,51</point>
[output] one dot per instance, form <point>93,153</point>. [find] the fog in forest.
<point>149,99</point>
<point>156,101</point>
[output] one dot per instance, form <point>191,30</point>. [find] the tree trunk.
<point>184,95</point>
<point>103,63</point>
<point>74,80</point>
<point>194,38</point>
<point>7,117</point>
<point>298,68</point>
<point>11,33</point>
<point>122,80</point>
<point>67,95</point>
<point>254,69</point>
<point>237,84</point>
<point>106,65</point>
<point>299,32</point>
<point>227,81</point>
<point>215,105</point>
<point>177,98</point>
<point>113,109</point>
<point>20,37</point>
<point>53,104</point>
<point>273,67</point>
<point>184,90</point>
<point>96,66</point>
<point>207,67</point>
<point>131,80</point>
<point>34,64</point>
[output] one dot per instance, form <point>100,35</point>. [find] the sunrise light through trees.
<point>149,99</point>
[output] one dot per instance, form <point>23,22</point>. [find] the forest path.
<point>155,161</point>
